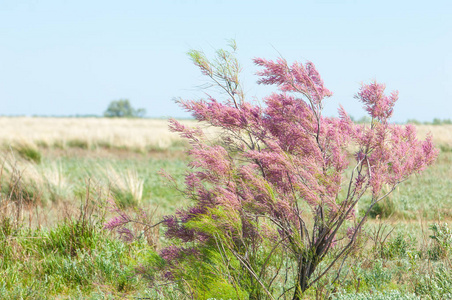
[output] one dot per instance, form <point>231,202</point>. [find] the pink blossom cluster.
<point>376,103</point>
<point>299,78</point>
<point>118,221</point>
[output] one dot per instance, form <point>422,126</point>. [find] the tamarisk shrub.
<point>273,194</point>
<point>273,198</point>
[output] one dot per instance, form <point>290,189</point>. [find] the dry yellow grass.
<point>87,132</point>
<point>442,134</point>
<point>128,133</point>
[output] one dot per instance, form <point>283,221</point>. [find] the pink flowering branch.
<point>119,222</point>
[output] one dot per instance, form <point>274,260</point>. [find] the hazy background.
<point>75,57</point>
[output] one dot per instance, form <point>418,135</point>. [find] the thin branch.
<point>245,264</point>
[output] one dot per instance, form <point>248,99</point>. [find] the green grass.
<point>64,256</point>
<point>47,263</point>
<point>156,191</point>
<point>55,254</point>
<point>65,178</point>
<point>29,152</point>
<point>428,195</point>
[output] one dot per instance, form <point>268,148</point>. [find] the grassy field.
<point>58,176</point>
<point>136,135</point>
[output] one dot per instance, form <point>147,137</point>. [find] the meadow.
<point>59,177</point>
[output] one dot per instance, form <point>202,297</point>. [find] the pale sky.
<point>74,57</point>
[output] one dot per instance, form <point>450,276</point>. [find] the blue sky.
<point>74,57</point>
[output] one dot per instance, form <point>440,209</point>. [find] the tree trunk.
<point>306,269</point>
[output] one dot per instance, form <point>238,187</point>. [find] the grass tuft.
<point>28,152</point>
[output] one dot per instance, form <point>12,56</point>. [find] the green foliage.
<point>69,237</point>
<point>385,295</point>
<point>8,232</point>
<point>17,190</point>
<point>399,247</point>
<point>436,285</point>
<point>218,270</point>
<point>445,148</point>
<point>7,227</point>
<point>377,277</point>
<point>224,69</point>
<point>70,259</point>
<point>77,143</point>
<point>442,241</point>
<point>123,109</point>
<point>383,209</point>
<point>29,152</point>
<point>124,198</point>
<point>206,285</point>
<point>211,276</point>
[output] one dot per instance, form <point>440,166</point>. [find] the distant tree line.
<point>436,121</point>
<point>123,109</point>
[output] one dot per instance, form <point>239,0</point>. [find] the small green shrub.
<point>383,209</point>
<point>442,241</point>
<point>19,191</point>
<point>377,277</point>
<point>70,236</point>
<point>29,152</point>
<point>7,227</point>
<point>398,247</point>
<point>77,143</point>
<point>124,198</point>
<point>445,148</point>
